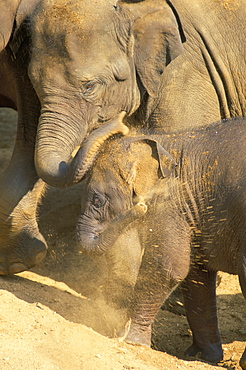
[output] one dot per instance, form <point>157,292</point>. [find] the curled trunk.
<point>93,239</point>
<point>57,167</point>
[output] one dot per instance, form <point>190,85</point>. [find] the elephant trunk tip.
<point>118,126</point>
<point>142,207</point>
<point>125,130</point>
<point>122,127</point>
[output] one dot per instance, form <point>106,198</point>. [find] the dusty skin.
<point>50,318</point>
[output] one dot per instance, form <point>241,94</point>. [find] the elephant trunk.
<point>93,238</point>
<point>55,162</point>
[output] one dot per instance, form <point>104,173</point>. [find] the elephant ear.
<point>167,163</point>
<point>158,38</point>
<point>12,15</point>
<point>138,169</point>
<point>8,11</point>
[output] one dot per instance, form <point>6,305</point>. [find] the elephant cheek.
<point>132,97</point>
<point>136,99</point>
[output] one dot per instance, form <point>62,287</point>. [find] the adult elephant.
<point>83,68</point>
<point>21,244</point>
<point>94,59</point>
<point>66,91</point>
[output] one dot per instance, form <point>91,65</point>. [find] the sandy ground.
<point>50,318</point>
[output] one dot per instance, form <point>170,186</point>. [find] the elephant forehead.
<point>88,46</point>
<point>106,170</point>
<point>83,14</point>
<point>72,29</point>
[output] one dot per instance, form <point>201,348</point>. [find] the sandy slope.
<point>47,314</point>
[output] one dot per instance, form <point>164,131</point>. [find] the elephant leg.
<point>21,244</point>
<point>199,290</point>
<point>242,279</point>
<point>242,274</point>
<point>242,361</point>
<point>153,286</point>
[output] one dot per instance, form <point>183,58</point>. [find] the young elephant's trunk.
<point>92,239</point>
<point>57,170</point>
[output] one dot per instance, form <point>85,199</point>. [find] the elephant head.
<point>119,187</point>
<point>91,61</point>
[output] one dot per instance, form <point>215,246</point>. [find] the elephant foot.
<point>212,353</point>
<point>22,252</point>
<point>242,361</point>
<point>139,335</point>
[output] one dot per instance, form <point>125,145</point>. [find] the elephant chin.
<point>60,173</point>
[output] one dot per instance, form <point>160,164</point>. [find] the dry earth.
<point>50,318</point>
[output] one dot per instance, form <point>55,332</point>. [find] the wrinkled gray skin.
<point>21,244</point>
<point>184,194</point>
<point>91,61</point>
<point>83,67</point>
<point>89,77</point>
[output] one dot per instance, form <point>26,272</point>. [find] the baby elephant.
<point>185,194</point>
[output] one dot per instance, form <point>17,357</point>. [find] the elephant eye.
<point>88,87</point>
<point>98,201</point>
